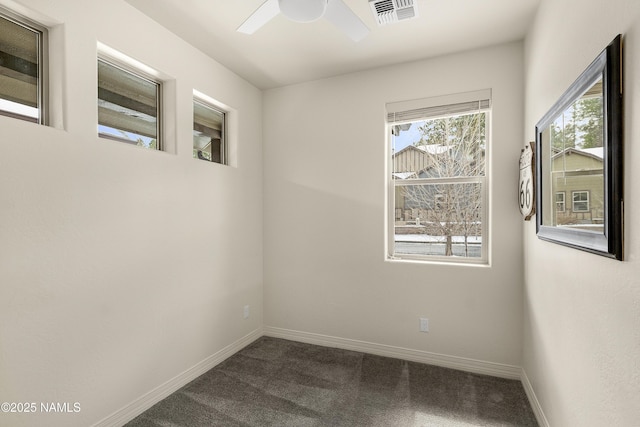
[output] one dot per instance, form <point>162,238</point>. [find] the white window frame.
<point>563,201</point>
<point>43,67</point>
<point>404,112</point>
<point>574,201</point>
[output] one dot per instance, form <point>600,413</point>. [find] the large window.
<point>438,178</point>
<point>209,133</point>
<point>128,106</point>
<point>22,77</point>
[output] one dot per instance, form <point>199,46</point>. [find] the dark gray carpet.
<point>275,382</point>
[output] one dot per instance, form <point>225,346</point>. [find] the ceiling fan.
<point>334,11</point>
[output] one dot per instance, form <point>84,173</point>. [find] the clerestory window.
<point>209,132</point>
<point>128,106</point>
<point>22,68</point>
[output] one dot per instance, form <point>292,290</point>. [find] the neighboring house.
<point>578,186</point>
<point>418,206</point>
<point>414,158</point>
<point>412,162</point>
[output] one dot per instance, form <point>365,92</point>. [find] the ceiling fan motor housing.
<point>303,10</point>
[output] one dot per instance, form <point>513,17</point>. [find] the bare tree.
<point>447,204</point>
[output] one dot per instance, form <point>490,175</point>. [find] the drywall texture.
<point>582,311</point>
<point>120,268</point>
<point>324,189</point>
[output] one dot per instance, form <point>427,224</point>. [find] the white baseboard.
<point>454,362</point>
<point>533,400</point>
<point>149,399</point>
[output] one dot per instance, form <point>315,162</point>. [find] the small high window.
<point>22,82</point>
<point>209,139</point>
<point>128,106</point>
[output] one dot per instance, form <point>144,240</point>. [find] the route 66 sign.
<point>526,185</point>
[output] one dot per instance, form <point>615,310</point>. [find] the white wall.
<point>121,268</point>
<point>582,311</point>
<point>324,186</point>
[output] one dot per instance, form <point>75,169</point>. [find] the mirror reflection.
<point>573,154</point>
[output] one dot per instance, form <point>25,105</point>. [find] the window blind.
<point>407,111</point>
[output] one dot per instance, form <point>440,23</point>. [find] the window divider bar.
<point>453,180</point>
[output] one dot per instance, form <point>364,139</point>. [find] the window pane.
<point>581,201</point>
<point>438,184</point>
<point>575,158</point>
<point>127,106</point>
<point>19,71</point>
<point>584,208</point>
<point>442,147</point>
<point>208,133</point>
<point>439,219</point>
<point>560,202</point>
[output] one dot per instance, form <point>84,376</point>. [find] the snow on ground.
<point>425,238</point>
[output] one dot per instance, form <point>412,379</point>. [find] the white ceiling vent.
<point>390,11</point>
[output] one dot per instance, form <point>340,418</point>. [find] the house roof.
<point>434,148</point>
<point>595,153</point>
<point>403,175</point>
<point>429,149</point>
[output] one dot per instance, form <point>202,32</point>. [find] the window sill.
<point>457,262</point>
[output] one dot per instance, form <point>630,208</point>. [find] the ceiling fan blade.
<point>261,16</point>
<point>342,17</point>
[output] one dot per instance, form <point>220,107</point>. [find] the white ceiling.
<point>284,52</point>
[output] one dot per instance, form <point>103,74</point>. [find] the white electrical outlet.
<point>246,311</point>
<point>424,324</point>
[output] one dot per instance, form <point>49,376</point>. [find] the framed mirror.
<point>579,161</point>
